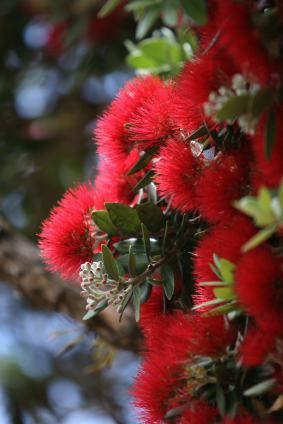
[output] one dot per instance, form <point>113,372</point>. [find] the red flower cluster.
<point>197,368</point>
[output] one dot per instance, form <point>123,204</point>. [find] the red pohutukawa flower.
<point>259,286</point>
<point>270,169</point>
<point>65,239</point>
<point>256,346</point>
<point>198,79</point>
<point>177,171</point>
<point>224,240</point>
<point>199,412</point>
<point>164,382</point>
<point>223,180</point>
<point>233,28</point>
<point>152,124</point>
<point>113,135</point>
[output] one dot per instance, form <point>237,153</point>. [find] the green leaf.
<point>220,400</point>
<point>137,246</point>
<point>99,308</point>
<point>140,5</point>
<point>144,181</point>
<point>124,217</point>
<point>261,101</point>
<point>247,205</point>
<point>169,15</point>
<point>280,195</point>
<point>108,7</point>
<point>138,60</point>
<point>144,160</point>
<point>110,263</point>
<point>224,293</point>
<point>234,108</point>
<point>208,303</point>
<point>227,269</point>
<point>270,134</point>
<point>260,388</point>
<point>146,241</point>
<point>137,302</point>
<point>132,265</point>
<point>196,9</point>
<point>146,22</point>
<point>223,309</point>
<point>168,281</point>
<point>125,303</point>
<point>259,238</point>
<point>214,283</point>
<point>141,262</point>
<point>165,236</point>
<point>146,289</point>
<point>104,223</point>
<point>152,216</point>
<point>161,50</point>
<point>200,132</point>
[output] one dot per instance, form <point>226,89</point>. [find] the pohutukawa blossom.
<point>152,124</point>
<point>224,240</point>
<point>166,380</point>
<point>259,286</point>
<point>113,135</point>
<point>223,180</point>
<point>233,20</point>
<point>256,346</point>
<point>199,412</point>
<point>198,79</point>
<point>177,175</point>
<point>67,238</point>
<point>270,169</point>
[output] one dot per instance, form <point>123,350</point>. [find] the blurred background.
<point>59,66</point>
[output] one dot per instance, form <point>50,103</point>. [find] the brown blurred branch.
<point>20,266</point>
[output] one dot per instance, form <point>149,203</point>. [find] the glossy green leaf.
<point>227,269</point>
<point>110,263</point>
<point>200,132</point>
<point>146,289</point>
<point>144,181</point>
<point>247,205</point>
<point>259,238</point>
<point>124,217</point>
<point>152,216</point>
<point>280,195</point>
<point>234,108</point>
<point>208,303</point>
<point>137,302</point>
<point>141,262</point>
<point>132,265</point>
<point>220,400</point>
<point>104,223</point>
<point>146,22</point>
<point>260,388</point>
<point>225,309</point>
<point>144,160</point>
<point>146,241</point>
<point>196,9</point>
<point>94,312</point>
<point>137,246</point>
<point>270,134</point>
<point>261,101</point>
<point>108,7</point>
<point>161,50</point>
<point>224,293</point>
<point>168,281</point>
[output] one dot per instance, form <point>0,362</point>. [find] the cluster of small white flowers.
<point>217,100</point>
<point>98,287</point>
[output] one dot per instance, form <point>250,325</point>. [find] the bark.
<point>21,267</point>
